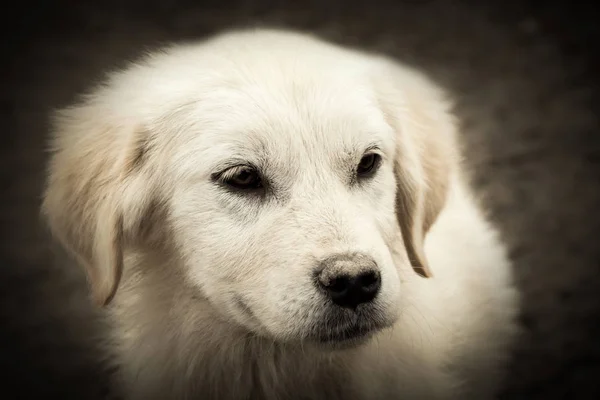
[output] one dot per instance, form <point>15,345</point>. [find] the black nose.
<point>350,281</point>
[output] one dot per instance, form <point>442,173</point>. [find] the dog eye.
<point>244,178</point>
<point>368,164</point>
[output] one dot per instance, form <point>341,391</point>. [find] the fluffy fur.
<point>211,290</point>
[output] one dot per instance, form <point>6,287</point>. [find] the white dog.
<point>269,216</point>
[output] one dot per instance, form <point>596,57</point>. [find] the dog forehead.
<point>290,122</point>
<point>278,106</point>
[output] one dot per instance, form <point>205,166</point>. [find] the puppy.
<point>265,215</point>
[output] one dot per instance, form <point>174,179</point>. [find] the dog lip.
<point>245,309</point>
<point>355,332</point>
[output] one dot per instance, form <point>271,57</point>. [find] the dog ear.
<point>89,176</point>
<point>425,153</point>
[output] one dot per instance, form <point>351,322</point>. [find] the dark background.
<point>525,79</point>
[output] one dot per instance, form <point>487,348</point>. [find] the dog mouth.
<point>337,330</point>
<point>349,334</point>
<point>347,327</point>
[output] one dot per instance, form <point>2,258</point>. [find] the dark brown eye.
<point>244,178</point>
<point>368,164</point>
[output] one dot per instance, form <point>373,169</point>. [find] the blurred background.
<point>525,78</point>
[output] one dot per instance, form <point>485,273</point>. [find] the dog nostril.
<point>369,280</point>
<point>338,285</point>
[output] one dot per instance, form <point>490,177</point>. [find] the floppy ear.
<point>90,172</point>
<point>425,153</point>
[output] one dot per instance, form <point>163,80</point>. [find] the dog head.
<point>296,180</point>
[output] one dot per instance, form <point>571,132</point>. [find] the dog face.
<point>285,189</point>
<point>294,190</point>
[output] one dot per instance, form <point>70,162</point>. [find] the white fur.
<point>131,188</point>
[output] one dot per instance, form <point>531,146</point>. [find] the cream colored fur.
<point>173,255</point>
